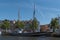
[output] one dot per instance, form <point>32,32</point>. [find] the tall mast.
<point>19,14</point>
<point>33,18</point>
<point>34,12</point>
<point>58,21</point>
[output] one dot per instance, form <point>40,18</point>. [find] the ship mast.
<point>33,18</point>
<point>19,14</point>
<point>34,12</point>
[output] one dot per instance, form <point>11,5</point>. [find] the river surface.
<point>27,38</point>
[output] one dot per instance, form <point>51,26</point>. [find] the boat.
<point>34,34</point>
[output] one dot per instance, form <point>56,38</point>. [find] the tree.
<point>54,24</point>
<point>34,24</point>
<point>19,24</point>
<point>30,26</point>
<point>5,24</point>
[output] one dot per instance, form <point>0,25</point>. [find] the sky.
<point>45,10</point>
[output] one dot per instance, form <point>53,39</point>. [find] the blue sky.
<point>45,9</point>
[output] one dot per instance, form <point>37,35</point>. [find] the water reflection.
<point>27,38</point>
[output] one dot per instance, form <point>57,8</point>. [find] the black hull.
<point>36,34</point>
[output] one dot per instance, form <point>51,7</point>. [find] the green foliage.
<point>6,24</point>
<point>34,24</point>
<point>19,24</point>
<point>54,24</point>
<point>30,25</point>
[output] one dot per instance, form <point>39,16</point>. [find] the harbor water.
<point>27,38</point>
